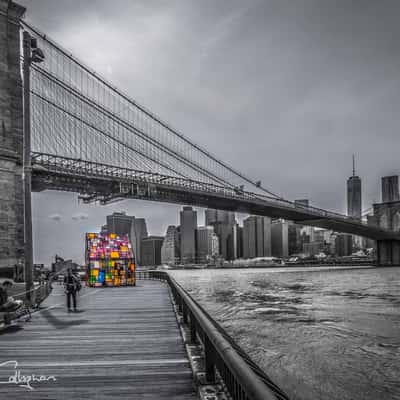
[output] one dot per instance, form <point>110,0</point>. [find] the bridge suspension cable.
<point>77,113</point>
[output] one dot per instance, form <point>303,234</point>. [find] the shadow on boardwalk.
<point>127,346</point>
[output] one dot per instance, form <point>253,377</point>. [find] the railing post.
<point>193,336</point>
<point>179,305</point>
<point>209,360</point>
<point>184,314</point>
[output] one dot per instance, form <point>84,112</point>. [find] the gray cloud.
<point>55,217</point>
<point>80,216</point>
<point>283,90</point>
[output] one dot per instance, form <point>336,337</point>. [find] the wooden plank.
<point>124,343</point>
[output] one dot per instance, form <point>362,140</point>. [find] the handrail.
<point>241,376</point>
<point>38,294</point>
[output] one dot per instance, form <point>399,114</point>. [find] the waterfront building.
<point>225,227</point>
<point>263,236</point>
<point>122,224</point>
<point>256,237</point>
<point>249,237</point>
<point>343,244</point>
<point>188,225</point>
<point>239,241</point>
<point>60,265</point>
<point>279,238</point>
<point>295,244</point>
<point>354,195</point>
<point>298,237</point>
<point>170,250</point>
<point>222,216</point>
<point>207,244</point>
<point>314,248</point>
<point>151,250</point>
<point>137,234</point>
<point>390,189</point>
<point>215,246</point>
<point>119,223</point>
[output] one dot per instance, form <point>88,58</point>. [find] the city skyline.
<point>316,136</point>
<point>88,221</point>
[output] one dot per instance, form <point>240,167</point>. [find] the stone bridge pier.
<point>387,215</point>
<point>11,140</point>
<point>388,252</point>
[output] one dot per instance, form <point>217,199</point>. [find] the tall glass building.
<point>354,195</point>
<point>188,228</point>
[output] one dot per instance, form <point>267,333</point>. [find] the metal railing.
<point>242,378</point>
<point>38,294</point>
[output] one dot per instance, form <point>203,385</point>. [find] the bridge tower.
<point>387,215</point>
<point>11,139</point>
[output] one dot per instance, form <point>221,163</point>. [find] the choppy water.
<point>318,333</point>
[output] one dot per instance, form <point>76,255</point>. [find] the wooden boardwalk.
<point>124,343</point>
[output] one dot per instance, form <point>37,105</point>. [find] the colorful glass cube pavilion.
<point>109,260</point>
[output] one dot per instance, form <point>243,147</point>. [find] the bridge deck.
<point>123,343</point>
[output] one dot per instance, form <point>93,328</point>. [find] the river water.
<point>319,333</point>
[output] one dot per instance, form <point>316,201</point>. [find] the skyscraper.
<point>222,216</point>
<point>188,220</point>
<point>170,250</point>
<point>239,241</point>
<point>343,244</point>
<point>137,234</point>
<point>279,238</point>
<point>207,244</point>
<point>122,224</point>
<point>151,250</point>
<point>298,237</point>
<point>249,237</point>
<point>295,244</point>
<point>256,237</point>
<point>225,228</point>
<point>119,223</point>
<point>354,195</point>
<point>390,189</point>
<point>263,236</point>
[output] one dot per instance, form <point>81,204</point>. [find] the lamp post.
<point>31,54</point>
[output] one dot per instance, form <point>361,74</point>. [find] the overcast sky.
<point>285,91</point>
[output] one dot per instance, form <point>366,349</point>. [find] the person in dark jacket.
<point>8,303</point>
<point>71,285</point>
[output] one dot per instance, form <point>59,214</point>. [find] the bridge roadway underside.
<point>124,343</point>
<point>110,188</point>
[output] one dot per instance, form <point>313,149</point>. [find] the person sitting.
<point>7,303</point>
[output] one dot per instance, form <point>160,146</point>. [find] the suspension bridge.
<point>77,132</point>
<point>64,127</point>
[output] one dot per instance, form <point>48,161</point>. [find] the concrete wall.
<point>11,138</point>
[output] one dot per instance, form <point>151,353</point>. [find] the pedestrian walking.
<point>71,285</point>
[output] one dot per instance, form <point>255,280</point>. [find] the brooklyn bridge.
<point>64,127</point>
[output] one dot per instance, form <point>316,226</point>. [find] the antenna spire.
<point>354,165</point>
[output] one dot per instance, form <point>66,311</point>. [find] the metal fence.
<point>38,294</point>
<point>243,379</point>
